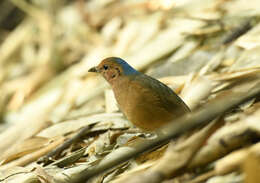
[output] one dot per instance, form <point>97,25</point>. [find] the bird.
<point>146,102</point>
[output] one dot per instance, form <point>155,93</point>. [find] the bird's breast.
<point>140,105</point>
<point>126,95</point>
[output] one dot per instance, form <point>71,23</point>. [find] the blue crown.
<point>127,69</point>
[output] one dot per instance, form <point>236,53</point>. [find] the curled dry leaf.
<point>26,147</point>
<point>228,138</point>
<point>105,122</point>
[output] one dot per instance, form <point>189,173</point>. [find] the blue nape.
<point>127,69</point>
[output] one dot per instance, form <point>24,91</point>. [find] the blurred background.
<point>197,47</point>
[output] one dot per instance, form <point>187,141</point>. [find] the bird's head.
<point>113,67</point>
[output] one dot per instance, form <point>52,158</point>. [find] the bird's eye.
<point>105,67</point>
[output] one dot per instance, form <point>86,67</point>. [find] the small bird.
<point>145,101</point>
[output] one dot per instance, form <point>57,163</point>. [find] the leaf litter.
<point>201,49</point>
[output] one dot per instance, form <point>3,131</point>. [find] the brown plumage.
<point>146,102</point>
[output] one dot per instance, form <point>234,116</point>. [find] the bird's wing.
<point>169,99</point>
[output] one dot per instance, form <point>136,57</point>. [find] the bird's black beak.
<point>93,69</point>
